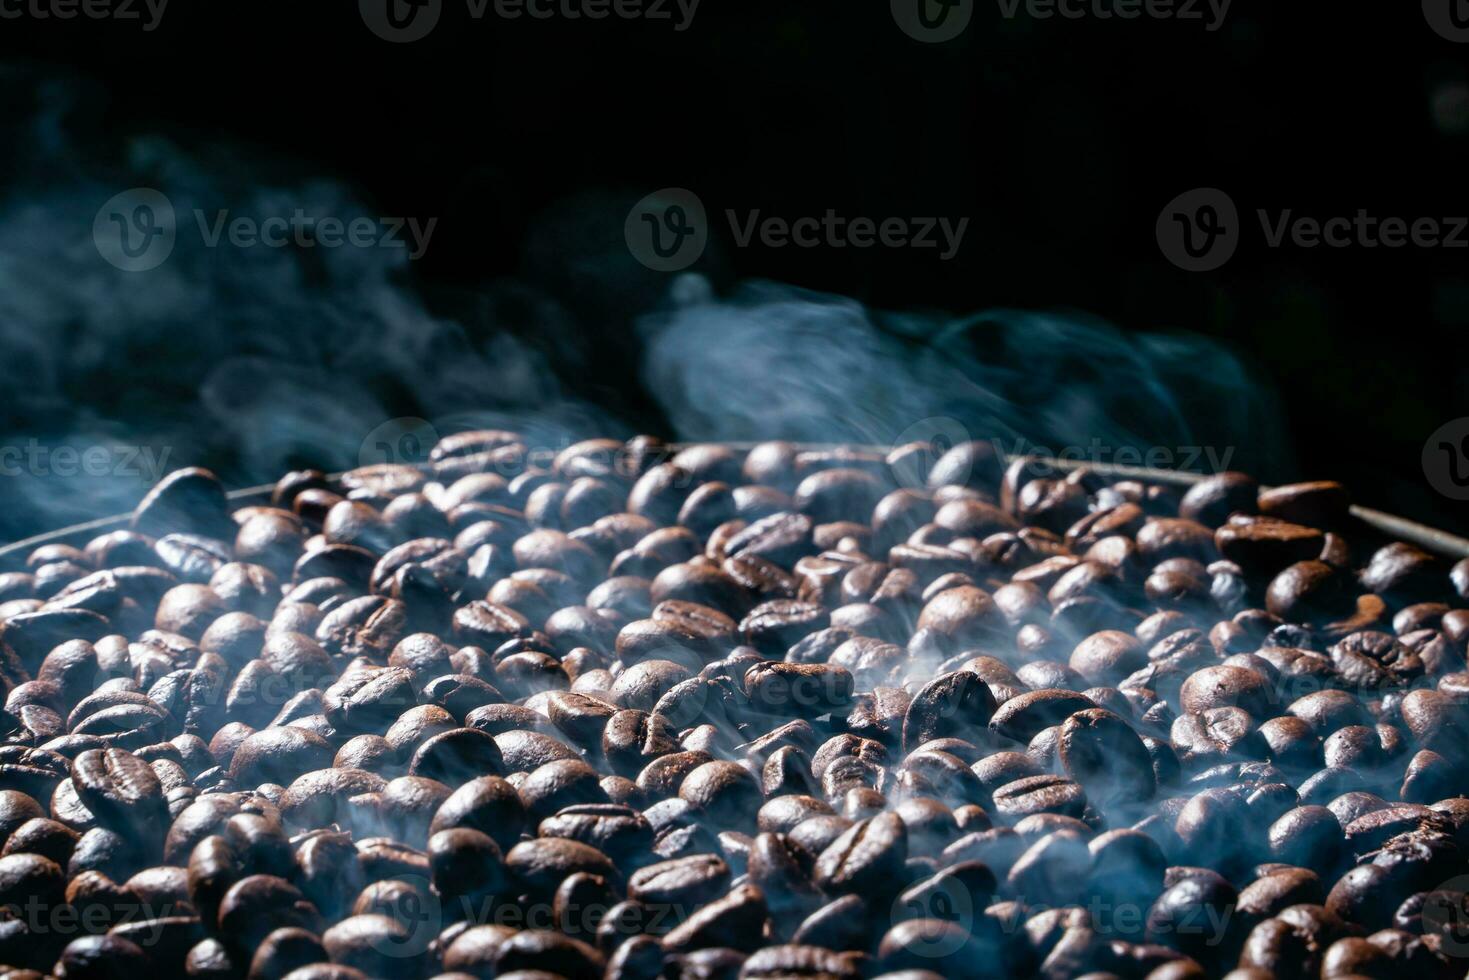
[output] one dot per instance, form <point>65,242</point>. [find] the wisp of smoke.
<point>258,359</point>
<point>777,362</point>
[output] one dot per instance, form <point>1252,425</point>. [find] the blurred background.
<point>519,147</point>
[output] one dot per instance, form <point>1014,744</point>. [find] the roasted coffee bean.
<point>185,500</point>
<point>540,865</point>
<point>957,705</point>
<point>679,886</point>
<point>121,789</point>
<point>866,859</point>
<point>1212,501</point>
<point>1108,657</point>
<point>642,685</point>
<point>1231,672</point>
<point>368,700</point>
<point>1106,757</point>
<point>1039,794</point>
<point>724,792</point>
<point>456,756</point>
<point>1022,718</point>
<point>486,803</point>
<point>802,690</point>
<point>776,625</point>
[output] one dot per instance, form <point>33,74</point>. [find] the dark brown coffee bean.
<point>866,859</point>
<point>486,803</point>
<point>102,956</point>
<point>1193,916</point>
<point>1307,592</point>
<point>257,905</point>
<point>540,865</point>
<point>285,950</point>
<point>1101,752</point>
<point>488,625</point>
<point>782,538</point>
<point>275,755</point>
<point>1022,717</point>
<point>965,617</point>
<point>1213,500</point>
<point>186,500</point>
<point>641,685</point>
<point>681,885</point>
<point>121,789</point>
<point>1031,795</point>
<point>1264,546</point>
<point>803,690</point>
<point>776,625</point>
<point>1319,504</point>
<point>1107,657</point>
<point>956,705</point>
<point>725,793</point>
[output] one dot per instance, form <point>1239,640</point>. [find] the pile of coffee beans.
<point>634,711</point>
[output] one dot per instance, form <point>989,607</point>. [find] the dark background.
<point>1061,141</point>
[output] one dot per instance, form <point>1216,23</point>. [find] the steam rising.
<point>817,367</point>
<point>254,360</point>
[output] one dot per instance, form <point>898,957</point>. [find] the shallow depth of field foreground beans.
<point>708,713</point>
